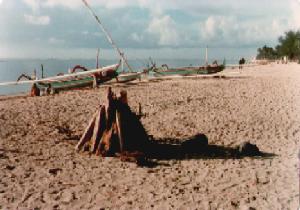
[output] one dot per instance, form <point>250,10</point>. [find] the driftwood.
<point>115,130</point>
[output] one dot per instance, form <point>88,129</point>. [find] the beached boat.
<point>71,80</point>
<point>186,71</point>
<point>88,78</point>
<point>164,70</point>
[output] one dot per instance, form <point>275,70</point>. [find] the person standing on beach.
<point>241,62</point>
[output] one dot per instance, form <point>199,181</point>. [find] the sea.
<point>11,69</point>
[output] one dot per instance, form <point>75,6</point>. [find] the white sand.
<point>260,105</point>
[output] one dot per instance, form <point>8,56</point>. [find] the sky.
<point>169,29</point>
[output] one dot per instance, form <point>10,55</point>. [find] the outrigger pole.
<point>107,34</point>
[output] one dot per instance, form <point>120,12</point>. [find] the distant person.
<point>285,59</point>
<point>242,61</point>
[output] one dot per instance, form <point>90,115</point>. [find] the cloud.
<point>37,20</point>
<point>217,29</point>
<point>71,4</point>
<point>66,3</point>
<point>231,31</point>
<point>33,4</point>
<point>295,8</point>
<point>164,28</point>
<point>37,4</point>
<point>136,37</point>
<point>113,4</point>
<point>53,40</point>
<point>212,27</point>
<point>151,24</point>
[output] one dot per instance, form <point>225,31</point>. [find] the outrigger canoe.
<point>72,80</point>
<point>186,71</point>
<point>87,78</point>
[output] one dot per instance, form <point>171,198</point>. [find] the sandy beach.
<point>39,168</point>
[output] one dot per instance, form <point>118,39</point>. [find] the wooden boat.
<point>186,71</point>
<point>164,70</point>
<point>87,78</point>
<point>71,80</point>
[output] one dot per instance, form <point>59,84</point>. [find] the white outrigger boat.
<point>70,81</point>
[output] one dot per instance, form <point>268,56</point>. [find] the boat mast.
<point>122,63</point>
<point>42,67</point>
<point>97,59</point>
<point>206,56</point>
<point>107,34</point>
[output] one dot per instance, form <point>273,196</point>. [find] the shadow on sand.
<point>196,147</point>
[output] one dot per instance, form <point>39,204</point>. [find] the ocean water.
<point>11,69</point>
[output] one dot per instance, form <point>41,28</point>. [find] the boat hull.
<point>186,71</point>
<point>128,77</point>
<point>79,81</point>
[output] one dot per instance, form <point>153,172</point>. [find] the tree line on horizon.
<point>289,45</point>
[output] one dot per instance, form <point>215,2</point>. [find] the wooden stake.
<point>119,130</point>
<point>87,133</point>
<point>123,97</point>
<point>100,123</point>
<point>95,83</point>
